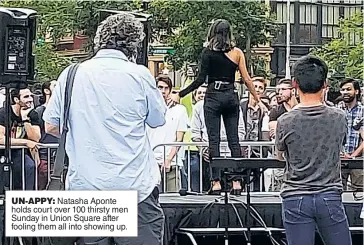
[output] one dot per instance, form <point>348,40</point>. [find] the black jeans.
<point>222,103</point>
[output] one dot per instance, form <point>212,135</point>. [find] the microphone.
<point>184,192</point>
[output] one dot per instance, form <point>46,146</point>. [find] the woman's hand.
<point>175,98</point>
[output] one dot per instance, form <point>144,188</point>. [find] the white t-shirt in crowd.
<point>2,97</point>
<point>176,121</point>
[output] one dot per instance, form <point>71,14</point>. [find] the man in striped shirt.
<point>350,92</point>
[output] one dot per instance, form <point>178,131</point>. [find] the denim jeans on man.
<point>29,171</point>
<point>195,173</point>
<point>301,215</point>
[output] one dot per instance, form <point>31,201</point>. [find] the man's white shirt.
<point>113,102</point>
<point>176,121</point>
<point>2,97</point>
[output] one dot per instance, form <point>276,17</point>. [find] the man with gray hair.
<point>113,100</point>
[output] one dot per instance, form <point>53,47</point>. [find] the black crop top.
<point>217,66</point>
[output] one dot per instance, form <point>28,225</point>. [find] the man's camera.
<point>17,33</point>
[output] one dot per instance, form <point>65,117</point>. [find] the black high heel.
<point>213,192</point>
<point>235,192</point>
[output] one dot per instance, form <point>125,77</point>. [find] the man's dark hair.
<point>285,81</point>
<point>262,80</point>
<point>165,79</point>
<point>355,84</point>
<point>14,93</point>
<point>310,73</point>
<point>45,85</point>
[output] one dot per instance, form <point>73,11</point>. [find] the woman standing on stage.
<point>219,62</point>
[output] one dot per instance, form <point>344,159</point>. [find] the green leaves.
<point>55,21</point>
<point>55,18</point>
<point>58,19</point>
<point>182,24</point>
<point>49,64</point>
<point>342,54</point>
<point>186,24</point>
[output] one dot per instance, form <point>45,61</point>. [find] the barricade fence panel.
<point>184,165</point>
<point>30,170</point>
<point>189,169</point>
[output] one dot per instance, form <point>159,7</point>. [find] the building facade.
<point>312,22</point>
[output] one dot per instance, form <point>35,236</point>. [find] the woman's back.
<point>221,67</point>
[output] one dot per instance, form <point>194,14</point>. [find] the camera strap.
<point>61,162</point>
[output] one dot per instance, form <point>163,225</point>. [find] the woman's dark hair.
<point>14,93</point>
<point>220,36</point>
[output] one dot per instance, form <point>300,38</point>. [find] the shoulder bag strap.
<point>61,158</point>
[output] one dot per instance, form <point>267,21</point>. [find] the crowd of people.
<point>27,130</point>
<point>251,128</point>
<point>122,122</point>
<point>175,161</point>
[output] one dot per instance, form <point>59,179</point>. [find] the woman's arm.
<point>201,78</point>
<point>245,75</point>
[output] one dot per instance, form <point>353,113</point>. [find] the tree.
<point>49,64</point>
<point>55,20</point>
<point>186,23</point>
<point>58,19</point>
<point>88,15</point>
<point>342,54</point>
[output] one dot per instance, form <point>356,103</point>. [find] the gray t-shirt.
<point>312,139</point>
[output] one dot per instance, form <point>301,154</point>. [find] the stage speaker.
<point>17,35</point>
<point>146,20</point>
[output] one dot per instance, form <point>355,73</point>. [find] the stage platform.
<point>204,211</point>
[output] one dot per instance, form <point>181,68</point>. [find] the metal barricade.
<point>257,148</point>
<point>250,149</point>
<point>37,162</point>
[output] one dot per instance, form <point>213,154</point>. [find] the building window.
<point>312,13</point>
<point>282,12</point>
<point>307,33</point>
<point>354,39</point>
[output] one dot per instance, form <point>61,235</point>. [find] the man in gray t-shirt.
<point>310,138</point>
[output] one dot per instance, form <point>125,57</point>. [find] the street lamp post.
<point>145,4</point>
<point>288,40</point>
